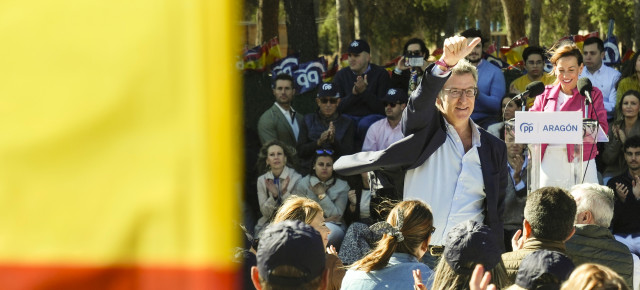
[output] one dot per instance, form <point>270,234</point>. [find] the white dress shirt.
<point>605,79</point>
<point>290,116</point>
<point>450,182</point>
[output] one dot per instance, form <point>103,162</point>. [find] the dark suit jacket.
<point>425,131</point>
<point>273,125</point>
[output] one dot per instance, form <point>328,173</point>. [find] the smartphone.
<point>415,61</point>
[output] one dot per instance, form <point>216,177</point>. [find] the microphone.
<point>532,89</point>
<point>585,87</point>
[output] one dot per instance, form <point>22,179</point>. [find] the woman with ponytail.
<point>405,239</point>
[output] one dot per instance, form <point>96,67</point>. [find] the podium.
<point>556,146</point>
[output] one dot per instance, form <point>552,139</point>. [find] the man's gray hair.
<point>465,67</point>
<point>597,199</point>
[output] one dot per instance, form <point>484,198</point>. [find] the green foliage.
<point>553,24</point>
<point>600,11</point>
<point>394,22</point>
<point>328,30</point>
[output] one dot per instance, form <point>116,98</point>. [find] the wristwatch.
<point>322,196</point>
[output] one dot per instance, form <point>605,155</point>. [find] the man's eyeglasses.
<point>329,100</point>
<point>324,151</point>
<point>385,104</point>
<point>456,93</point>
<point>414,52</point>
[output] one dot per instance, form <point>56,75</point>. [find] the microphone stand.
<point>586,108</point>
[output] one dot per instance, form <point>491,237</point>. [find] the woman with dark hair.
<point>625,126</point>
<point>331,192</point>
<point>405,238</point>
<point>467,244</point>
<point>276,184</point>
<point>555,169</point>
<point>506,113</point>
<point>630,78</point>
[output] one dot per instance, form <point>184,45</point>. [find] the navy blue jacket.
<point>425,131</point>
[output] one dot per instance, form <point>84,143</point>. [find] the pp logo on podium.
<point>526,127</point>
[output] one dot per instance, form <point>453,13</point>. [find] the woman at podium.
<point>564,95</point>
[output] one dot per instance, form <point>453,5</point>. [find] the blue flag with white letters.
<point>309,75</point>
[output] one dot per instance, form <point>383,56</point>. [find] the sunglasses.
<point>329,100</point>
<point>324,151</point>
<point>385,104</point>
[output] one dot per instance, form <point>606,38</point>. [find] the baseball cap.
<point>290,243</point>
<point>397,96</point>
<point>328,90</point>
<point>358,46</point>
<point>470,243</point>
<point>544,268</point>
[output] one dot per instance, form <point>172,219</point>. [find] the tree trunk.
<point>452,18</point>
<point>485,19</point>
<point>535,15</point>
<point>302,31</point>
<point>514,18</point>
<point>573,19</point>
<point>359,25</point>
<point>636,21</point>
<point>267,20</point>
<point>342,20</point>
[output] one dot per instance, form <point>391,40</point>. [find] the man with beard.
<point>281,121</point>
<point>491,84</point>
<point>626,214</point>
<point>533,57</point>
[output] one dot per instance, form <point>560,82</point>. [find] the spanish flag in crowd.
<point>514,52</point>
<point>120,158</point>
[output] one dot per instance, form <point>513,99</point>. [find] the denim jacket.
<point>398,274</point>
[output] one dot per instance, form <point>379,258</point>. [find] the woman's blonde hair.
<point>416,222</point>
<point>594,276</point>
<point>298,208</point>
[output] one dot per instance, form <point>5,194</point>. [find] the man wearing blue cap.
<point>326,128</point>
<point>290,255</point>
<point>362,86</point>
<point>386,131</point>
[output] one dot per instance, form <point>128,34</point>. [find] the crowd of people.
<point>411,178</point>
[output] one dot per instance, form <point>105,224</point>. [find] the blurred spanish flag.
<point>120,158</point>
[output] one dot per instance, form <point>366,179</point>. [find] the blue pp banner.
<point>611,52</point>
<point>286,65</point>
<point>309,75</point>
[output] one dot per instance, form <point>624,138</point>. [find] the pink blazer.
<point>546,102</point>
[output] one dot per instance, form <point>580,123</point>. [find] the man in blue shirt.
<point>491,84</point>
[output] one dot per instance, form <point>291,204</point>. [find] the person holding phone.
<point>411,66</point>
